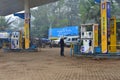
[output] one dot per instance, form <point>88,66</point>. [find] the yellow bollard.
<point>71,52</point>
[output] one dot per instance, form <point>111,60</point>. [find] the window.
<point>68,39</point>
<point>74,39</point>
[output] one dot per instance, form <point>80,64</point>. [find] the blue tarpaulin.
<point>21,15</point>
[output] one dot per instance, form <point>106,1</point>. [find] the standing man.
<point>90,46</point>
<point>62,46</point>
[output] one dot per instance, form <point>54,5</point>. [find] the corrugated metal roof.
<point>11,6</point>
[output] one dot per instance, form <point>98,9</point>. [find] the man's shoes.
<point>63,55</point>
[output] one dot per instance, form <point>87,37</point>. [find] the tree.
<point>18,24</point>
<point>5,23</point>
<point>40,21</point>
<point>90,13</point>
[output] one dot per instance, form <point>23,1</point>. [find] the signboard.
<point>104,27</point>
<point>95,35</point>
<point>65,31</point>
<point>113,35</point>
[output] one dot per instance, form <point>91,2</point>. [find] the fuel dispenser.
<point>16,40</point>
<point>89,37</point>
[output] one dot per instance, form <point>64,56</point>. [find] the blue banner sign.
<point>65,31</point>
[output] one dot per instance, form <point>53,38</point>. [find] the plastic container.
<point>97,50</point>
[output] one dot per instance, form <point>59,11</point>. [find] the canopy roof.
<point>11,6</point>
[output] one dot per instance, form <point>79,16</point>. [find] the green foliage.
<point>5,24</point>
<point>89,12</point>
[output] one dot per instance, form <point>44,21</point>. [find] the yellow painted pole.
<point>20,40</point>
<point>113,35</point>
<point>103,26</point>
<point>27,24</point>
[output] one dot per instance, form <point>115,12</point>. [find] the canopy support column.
<point>27,23</point>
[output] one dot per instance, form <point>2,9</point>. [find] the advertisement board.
<point>64,31</point>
